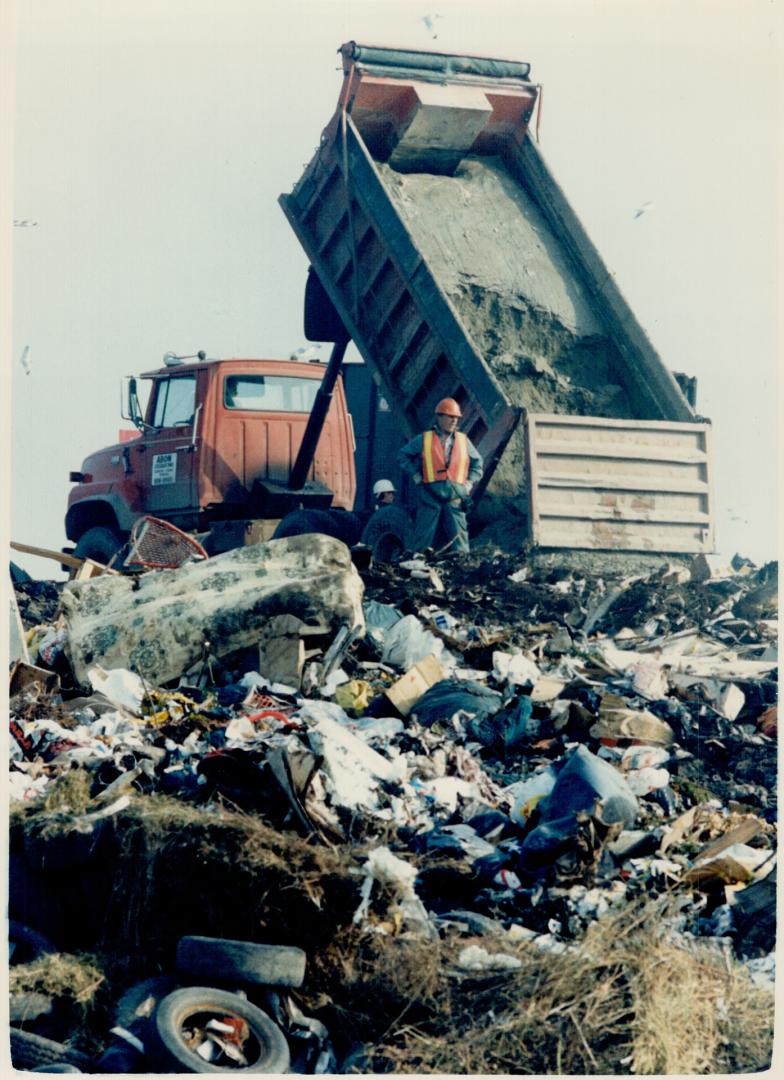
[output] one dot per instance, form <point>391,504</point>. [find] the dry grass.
<point>58,975</point>
<point>181,869</point>
<point>628,1000</point>
<point>65,796</point>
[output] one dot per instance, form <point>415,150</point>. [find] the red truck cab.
<point>216,437</point>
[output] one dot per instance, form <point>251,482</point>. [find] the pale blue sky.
<point>153,139</point>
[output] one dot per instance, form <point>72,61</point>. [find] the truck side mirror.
<point>131,408</point>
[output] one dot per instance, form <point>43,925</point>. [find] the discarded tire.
<point>29,1051</point>
<point>241,961</point>
<point>57,1067</point>
<point>340,524</point>
<point>179,1028</point>
<point>387,533</point>
<point>141,999</point>
<point>24,943</point>
<point>99,543</point>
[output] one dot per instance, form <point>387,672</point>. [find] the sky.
<point>149,143</point>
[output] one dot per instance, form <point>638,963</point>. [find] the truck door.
<point>167,455</point>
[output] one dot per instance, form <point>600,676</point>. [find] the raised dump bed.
<point>457,266</point>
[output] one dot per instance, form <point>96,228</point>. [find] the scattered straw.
<point>629,999</point>
<point>58,975</point>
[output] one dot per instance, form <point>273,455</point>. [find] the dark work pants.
<point>433,511</point>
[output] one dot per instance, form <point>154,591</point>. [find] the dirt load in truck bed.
<point>523,306</point>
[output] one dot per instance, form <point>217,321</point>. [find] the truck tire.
<point>29,1051</point>
<point>25,944</point>
<point>387,533</point>
<point>99,543</point>
<point>338,523</point>
<point>241,961</point>
<point>265,1048</point>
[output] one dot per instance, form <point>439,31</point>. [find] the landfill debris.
<point>488,807</point>
<point>158,623</point>
<point>407,691</point>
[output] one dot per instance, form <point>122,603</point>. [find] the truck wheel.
<point>99,543</point>
<point>241,961</point>
<point>180,1026</point>
<point>387,533</point>
<point>338,523</point>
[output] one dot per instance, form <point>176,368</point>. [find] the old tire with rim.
<point>99,543</point>
<point>386,533</point>
<point>265,1048</point>
<point>241,961</point>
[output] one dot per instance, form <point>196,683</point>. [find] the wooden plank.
<point>630,500</point>
<point>594,437</point>
<point>560,420</point>
<point>622,483</point>
<point>612,513</point>
<point>47,553</point>
<point>534,480</point>
<point>600,468</point>
<point>625,536</point>
<point>620,451</point>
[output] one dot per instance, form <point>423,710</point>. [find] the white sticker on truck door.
<point>164,469</point>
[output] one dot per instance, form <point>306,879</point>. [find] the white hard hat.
<point>382,486</point>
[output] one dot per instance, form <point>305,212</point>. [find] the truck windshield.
<point>174,401</point>
<point>270,393</point>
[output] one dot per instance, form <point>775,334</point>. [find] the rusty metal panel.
<point>631,485</point>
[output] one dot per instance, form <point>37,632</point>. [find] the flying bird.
<point>641,209</point>
<point>27,223</point>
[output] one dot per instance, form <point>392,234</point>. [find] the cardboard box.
<point>406,692</point>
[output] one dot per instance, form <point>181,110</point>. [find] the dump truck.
<point>447,250</point>
<point>441,244</point>
<point>219,446</point>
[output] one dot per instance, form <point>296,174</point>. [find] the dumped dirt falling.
<point>516,293</point>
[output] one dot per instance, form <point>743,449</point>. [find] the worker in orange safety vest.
<point>445,466</point>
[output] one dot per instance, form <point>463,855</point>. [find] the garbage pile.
<point>475,815</point>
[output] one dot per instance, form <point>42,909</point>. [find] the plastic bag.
<point>529,793</point>
<point>353,696</point>
<point>408,642</point>
<point>123,688</point>
<point>379,619</point>
<point>441,702</point>
<point>517,670</point>
<point>585,784</point>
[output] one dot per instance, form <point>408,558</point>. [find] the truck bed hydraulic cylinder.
<point>318,415</point>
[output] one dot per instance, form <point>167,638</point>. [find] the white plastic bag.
<point>123,688</point>
<point>515,669</point>
<point>408,642</point>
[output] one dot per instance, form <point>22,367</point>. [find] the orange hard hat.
<point>449,407</point>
